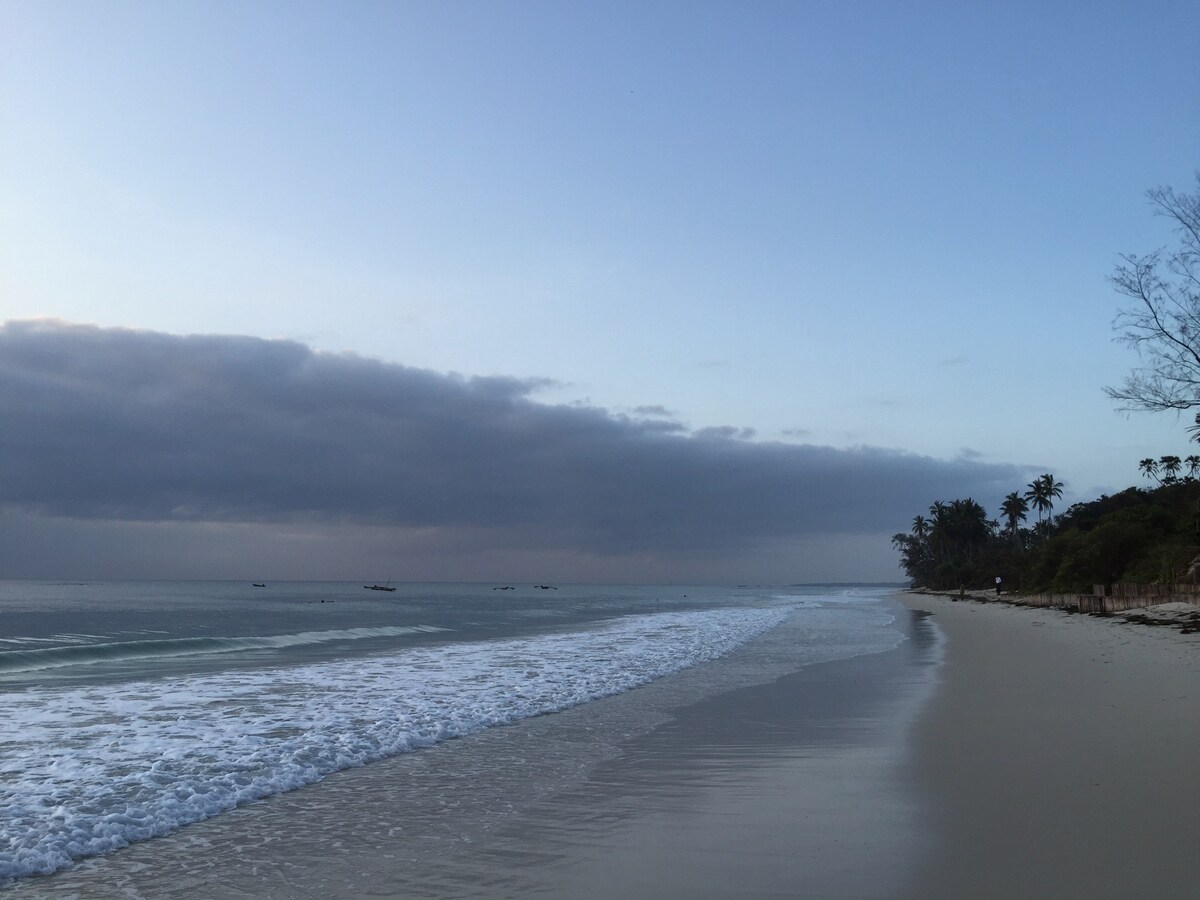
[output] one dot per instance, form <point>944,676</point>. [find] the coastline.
<point>1000,751</point>
<point>750,776</point>
<point>797,788</point>
<point>1059,755</point>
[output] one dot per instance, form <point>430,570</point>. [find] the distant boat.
<point>380,587</point>
<point>256,584</point>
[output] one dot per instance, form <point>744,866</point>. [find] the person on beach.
<point>997,585</point>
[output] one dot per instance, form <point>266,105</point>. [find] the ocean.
<point>167,739</point>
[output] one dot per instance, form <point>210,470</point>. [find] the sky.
<point>719,292</point>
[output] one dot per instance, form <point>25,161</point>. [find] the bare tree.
<point>1163,321</point>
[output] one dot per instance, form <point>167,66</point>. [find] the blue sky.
<point>846,225</point>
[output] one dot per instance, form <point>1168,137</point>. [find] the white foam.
<point>89,770</point>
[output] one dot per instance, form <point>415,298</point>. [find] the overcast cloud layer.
<point>108,424</point>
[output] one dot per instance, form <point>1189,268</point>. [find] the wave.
<point>16,661</point>
<point>90,770</point>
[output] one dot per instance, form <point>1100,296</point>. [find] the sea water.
<point>131,710</point>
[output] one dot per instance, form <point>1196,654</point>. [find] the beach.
<point>987,750</point>
<point>1060,756</point>
<point>578,742</point>
<point>1056,758</point>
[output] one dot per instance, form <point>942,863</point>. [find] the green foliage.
<point>1136,535</point>
<point>1102,555</point>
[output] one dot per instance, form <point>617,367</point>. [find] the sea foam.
<point>89,770</point>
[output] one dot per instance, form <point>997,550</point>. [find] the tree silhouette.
<point>1170,467</point>
<point>1193,464</point>
<point>1054,490</point>
<point>1149,468</point>
<point>1162,322</point>
<point>964,529</point>
<point>1041,494</point>
<point>1014,509</point>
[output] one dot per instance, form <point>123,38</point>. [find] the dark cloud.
<point>107,424</point>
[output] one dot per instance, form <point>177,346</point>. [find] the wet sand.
<point>794,785</point>
<point>1061,755</point>
<point>799,788</point>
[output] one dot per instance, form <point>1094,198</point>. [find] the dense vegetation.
<point>1142,535</point>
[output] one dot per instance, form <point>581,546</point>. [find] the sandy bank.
<point>1060,755</point>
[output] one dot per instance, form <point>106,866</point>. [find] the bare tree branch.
<point>1163,322</point>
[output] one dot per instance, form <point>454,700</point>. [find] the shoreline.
<point>1059,755</point>
<point>749,776</point>
<point>800,787</point>
<point>1000,751</point>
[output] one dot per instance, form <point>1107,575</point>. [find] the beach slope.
<point>1061,756</point>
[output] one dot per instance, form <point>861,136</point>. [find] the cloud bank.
<point>127,426</point>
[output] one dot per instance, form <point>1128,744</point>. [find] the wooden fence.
<point>1113,597</point>
<point>1190,592</point>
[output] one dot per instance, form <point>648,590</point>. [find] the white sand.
<point>1062,753</point>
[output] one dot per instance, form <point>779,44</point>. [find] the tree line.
<point>1139,535</point>
<point>1136,535</point>
<point>958,544</point>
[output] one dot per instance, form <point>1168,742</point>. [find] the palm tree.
<point>1149,467</point>
<point>1036,495</point>
<point>940,530</point>
<point>1195,429</point>
<point>1041,494</point>
<point>966,528</point>
<point>1053,489</point>
<point>1193,464</point>
<point>1014,509</point>
<point>1170,467</point>
<point>920,526</point>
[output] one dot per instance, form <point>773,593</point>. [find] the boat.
<point>257,584</point>
<point>380,587</point>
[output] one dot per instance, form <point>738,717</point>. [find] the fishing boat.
<point>380,587</point>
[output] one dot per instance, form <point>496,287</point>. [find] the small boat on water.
<point>257,584</point>
<point>380,587</point>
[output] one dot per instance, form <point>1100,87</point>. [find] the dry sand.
<point>1062,756</point>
